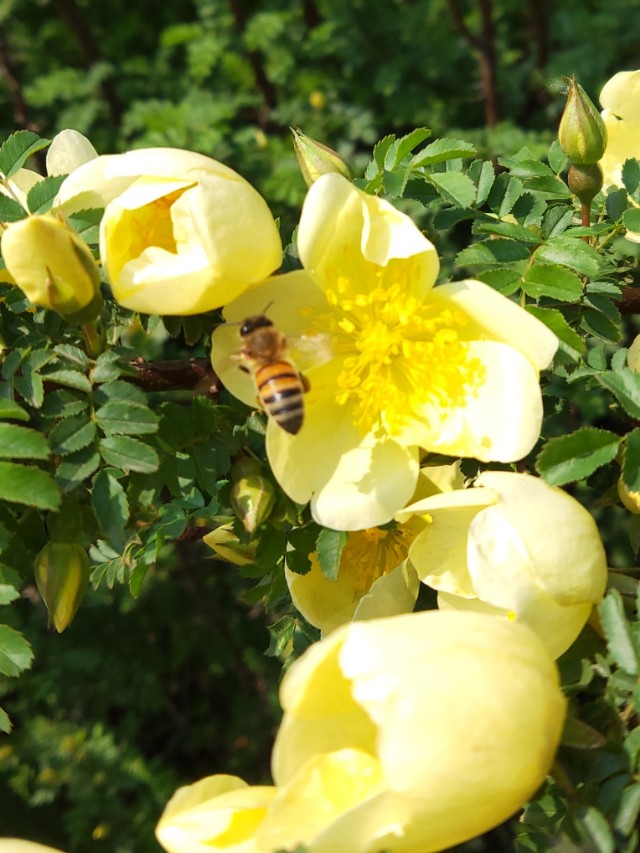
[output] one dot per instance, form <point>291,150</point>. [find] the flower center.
<point>399,351</point>
<point>374,552</point>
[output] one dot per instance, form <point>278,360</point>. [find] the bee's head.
<point>251,324</point>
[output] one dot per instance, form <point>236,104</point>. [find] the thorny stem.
<point>586,217</point>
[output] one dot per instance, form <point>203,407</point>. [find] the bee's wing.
<point>309,351</point>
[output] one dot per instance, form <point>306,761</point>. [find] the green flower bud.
<point>316,159</point>
<point>252,498</point>
<point>585,182</point>
<point>582,134</point>
<point>62,577</point>
<point>51,265</point>
<point>227,546</point>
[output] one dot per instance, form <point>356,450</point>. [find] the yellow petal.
<point>216,813</point>
<point>623,138</point>
<point>621,95</point>
<point>500,421</point>
<point>345,475</point>
<point>68,151</point>
<point>338,218</point>
<point>557,538</point>
<point>498,318</point>
<point>17,845</point>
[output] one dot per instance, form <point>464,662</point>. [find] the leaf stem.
<point>94,339</point>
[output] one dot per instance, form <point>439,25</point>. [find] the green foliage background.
<point>141,695</point>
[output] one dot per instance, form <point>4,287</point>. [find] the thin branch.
<point>72,16</point>
<point>194,374</point>
<point>485,47</point>
<point>20,111</point>
<point>312,16</point>
<point>255,58</point>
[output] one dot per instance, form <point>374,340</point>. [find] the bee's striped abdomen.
<point>281,393</point>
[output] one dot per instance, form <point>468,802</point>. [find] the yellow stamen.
<point>370,554</point>
<point>397,350</point>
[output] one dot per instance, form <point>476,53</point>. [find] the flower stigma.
<point>397,350</point>
<point>375,552</point>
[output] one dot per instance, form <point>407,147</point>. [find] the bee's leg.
<point>306,385</point>
<point>244,368</point>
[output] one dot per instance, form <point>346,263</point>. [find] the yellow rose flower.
<point>620,99</point>
<point>216,813</point>
<point>517,548</point>
<point>452,369</point>
<point>50,264</point>
<point>377,752</point>
<point>181,233</point>
<point>374,578</point>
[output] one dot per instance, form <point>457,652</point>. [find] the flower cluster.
<point>404,732</point>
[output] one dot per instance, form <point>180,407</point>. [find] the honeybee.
<point>280,386</point>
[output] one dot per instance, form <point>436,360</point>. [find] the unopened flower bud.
<point>628,497</point>
<point>52,265</point>
<point>316,159</point>
<point>62,577</point>
<point>227,546</point>
<point>252,498</point>
<point>582,134</point>
<point>585,182</point>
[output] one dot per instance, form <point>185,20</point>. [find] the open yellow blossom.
<point>515,547</point>
<point>452,369</point>
<point>620,99</point>
<point>374,578</point>
<point>181,233</point>
<point>216,813</point>
<point>376,751</point>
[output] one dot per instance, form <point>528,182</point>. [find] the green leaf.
<point>631,219</point>
<point>579,735</point>
<point>557,158</point>
<point>8,593</point>
<point>72,434</point>
<point>553,281</point>
<point>380,152</point>
<point>625,386</point>
<point>68,378</point>
<point>631,461</point>
<point>570,341</point>
<point>86,224</point>
<point>551,186</point>
<point>483,175</point>
<point>616,204</point>
<point>11,410</point>
<point>17,148</point>
<point>595,323</point>
<point>454,187</point>
<point>618,633</point>
<point>110,506</point>
<point>5,722</point>
<point>329,545</point>
<point>15,652</point>
<point>576,456</point>
<point>492,253</point>
<point>504,194</point>
<point>526,168</point>
<point>122,418</point>
<point>26,484</point>
<point>399,149</point>
<point>505,280</point>
<point>42,194</point>
<point>628,809</point>
<point>107,369</point>
<point>441,150</point>
<point>570,252</point>
<point>77,357</point>
<point>125,392</point>
<point>508,229</point>
<point>556,220</point>
<point>76,467</point>
<point>594,829</point>
<point>18,442</point>
<point>129,454</point>
<point>631,175</point>
<point>11,210</point>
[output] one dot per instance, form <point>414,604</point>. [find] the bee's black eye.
<point>253,323</point>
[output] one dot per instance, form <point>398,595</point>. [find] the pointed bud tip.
<point>316,159</point>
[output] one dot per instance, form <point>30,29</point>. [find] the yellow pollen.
<point>370,554</point>
<point>397,351</point>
